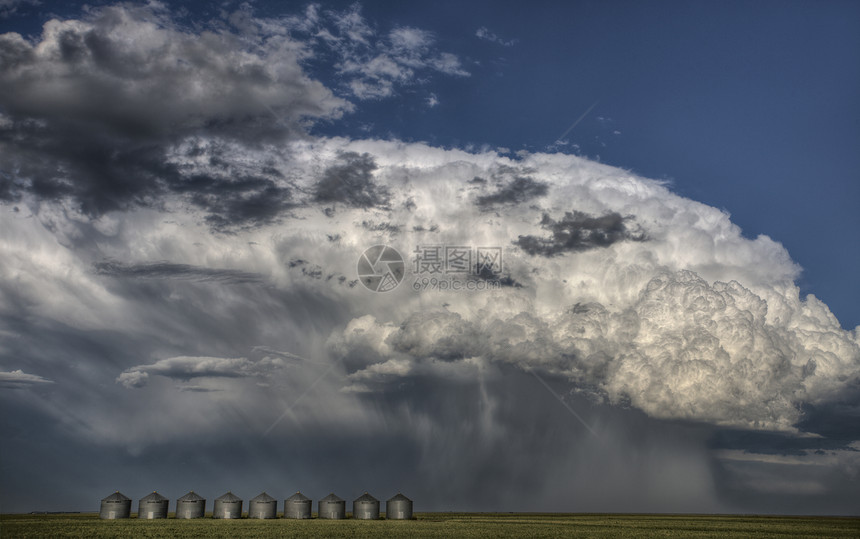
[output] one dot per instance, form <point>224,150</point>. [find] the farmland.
<point>441,525</point>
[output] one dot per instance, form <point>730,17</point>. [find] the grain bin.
<point>227,506</point>
<point>398,507</point>
<point>263,506</point>
<point>297,506</point>
<point>192,505</point>
<point>117,505</point>
<point>332,507</point>
<point>152,506</point>
<point>365,507</point>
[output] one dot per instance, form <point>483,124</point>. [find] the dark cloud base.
<point>543,459</point>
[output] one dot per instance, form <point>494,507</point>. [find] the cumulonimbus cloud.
<point>635,295</point>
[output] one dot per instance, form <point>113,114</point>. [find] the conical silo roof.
<point>366,498</point>
<point>298,497</point>
<point>331,498</point>
<point>115,506</point>
<point>228,497</point>
<point>263,497</point>
<point>399,498</point>
<point>191,497</point>
<point>117,497</point>
<point>154,497</point>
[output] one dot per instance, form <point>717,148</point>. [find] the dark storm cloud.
<point>520,189</point>
<point>314,271</point>
<point>90,110</point>
<point>71,160</point>
<point>498,433</point>
<point>836,419</point>
<point>231,204</point>
<point>373,226</point>
<point>492,438</point>
<point>198,389</point>
<point>780,443</point>
<point>578,231</point>
<point>484,273</point>
<point>350,182</point>
<point>781,473</point>
<point>167,270</point>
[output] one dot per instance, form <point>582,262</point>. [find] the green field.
<point>440,525</point>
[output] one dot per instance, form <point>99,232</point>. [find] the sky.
<point>584,256</point>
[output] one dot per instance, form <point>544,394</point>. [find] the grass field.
<point>440,525</point>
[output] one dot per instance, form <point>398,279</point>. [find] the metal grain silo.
<point>297,506</point>
<point>332,507</point>
<point>192,505</point>
<point>227,506</point>
<point>398,507</point>
<point>152,506</point>
<point>263,506</point>
<point>365,507</point>
<point>117,505</point>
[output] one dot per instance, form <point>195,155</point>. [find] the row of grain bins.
<point>192,505</point>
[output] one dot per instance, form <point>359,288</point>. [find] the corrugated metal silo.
<point>192,505</point>
<point>332,507</point>
<point>117,505</point>
<point>398,507</point>
<point>263,506</point>
<point>365,507</point>
<point>152,506</point>
<point>227,506</point>
<point>297,506</point>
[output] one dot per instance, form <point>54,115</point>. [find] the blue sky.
<point>185,190</point>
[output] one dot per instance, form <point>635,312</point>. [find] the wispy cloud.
<point>10,7</point>
<point>167,270</point>
<point>484,33</point>
<point>186,368</point>
<point>374,64</point>
<point>19,379</point>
